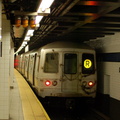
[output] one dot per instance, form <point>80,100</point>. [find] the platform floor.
<point>24,105</point>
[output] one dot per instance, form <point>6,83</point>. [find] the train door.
<point>18,59</point>
<point>36,72</point>
<point>21,57</point>
<point>31,68</point>
<point>70,73</point>
<point>34,67</point>
<point>28,67</point>
<point>23,66</point>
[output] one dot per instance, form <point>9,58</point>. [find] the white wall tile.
<point>109,44</point>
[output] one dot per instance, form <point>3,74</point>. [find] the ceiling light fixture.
<point>25,21</point>
<point>27,38</point>
<point>44,5</point>
<point>18,21</point>
<point>29,34</point>
<point>32,22</point>
<point>38,19</point>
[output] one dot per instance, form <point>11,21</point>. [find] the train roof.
<point>62,44</point>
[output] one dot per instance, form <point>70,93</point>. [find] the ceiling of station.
<point>69,20</point>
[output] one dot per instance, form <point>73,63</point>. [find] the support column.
<point>4,69</point>
<point>11,64</point>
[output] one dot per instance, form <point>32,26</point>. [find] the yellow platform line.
<point>32,108</point>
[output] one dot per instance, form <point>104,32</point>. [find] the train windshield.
<point>51,63</point>
<point>70,63</point>
<point>88,64</point>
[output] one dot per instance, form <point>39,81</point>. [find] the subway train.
<point>60,69</point>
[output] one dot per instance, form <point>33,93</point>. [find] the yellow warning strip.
<point>32,108</point>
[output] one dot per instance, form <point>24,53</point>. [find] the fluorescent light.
<point>23,45</point>
<point>27,48</point>
<point>45,4</point>
<point>27,38</point>
<point>38,19</point>
<point>30,33</point>
<point>25,42</point>
<point>19,50</point>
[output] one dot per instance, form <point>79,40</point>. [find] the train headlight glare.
<point>47,83</point>
<point>90,83</point>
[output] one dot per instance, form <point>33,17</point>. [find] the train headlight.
<point>90,83</point>
<point>47,83</point>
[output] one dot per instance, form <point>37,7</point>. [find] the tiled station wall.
<point>108,68</point>
<point>108,64</point>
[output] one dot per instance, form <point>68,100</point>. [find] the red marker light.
<point>47,83</point>
<point>90,83</point>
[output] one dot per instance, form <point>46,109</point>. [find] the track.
<point>79,111</point>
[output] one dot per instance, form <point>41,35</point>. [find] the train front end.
<point>68,73</point>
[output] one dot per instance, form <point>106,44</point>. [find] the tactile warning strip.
<point>32,108</point>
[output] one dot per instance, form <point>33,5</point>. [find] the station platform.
<point>24,105</point>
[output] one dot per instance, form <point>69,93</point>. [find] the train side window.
<point>51,63</point>
<point>70,63</point>
<point>88,64</point>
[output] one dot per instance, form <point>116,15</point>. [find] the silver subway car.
<point>61,69</point>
